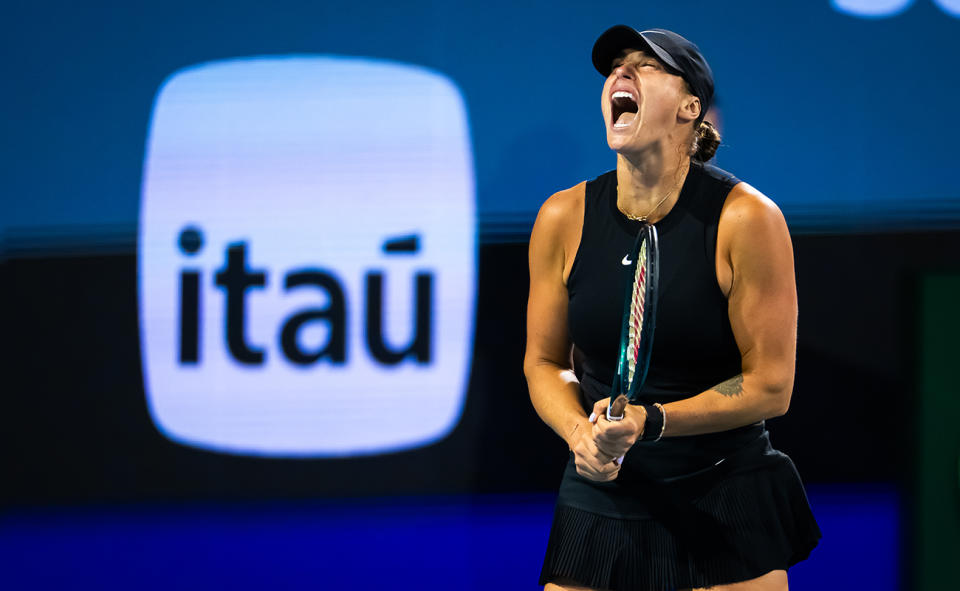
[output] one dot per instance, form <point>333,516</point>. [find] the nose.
<point>623,71</point>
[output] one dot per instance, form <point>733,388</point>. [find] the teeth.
<point>622,94</point>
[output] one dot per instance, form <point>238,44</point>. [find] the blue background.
<point>489,542</point>
<point>847,123</point>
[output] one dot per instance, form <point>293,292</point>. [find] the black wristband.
<point>653,426</point>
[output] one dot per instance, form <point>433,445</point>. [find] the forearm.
<point>555,394</point>
<point>741,400</point>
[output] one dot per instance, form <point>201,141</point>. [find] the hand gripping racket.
<point>639,321</point>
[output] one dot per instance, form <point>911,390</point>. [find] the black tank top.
<point>693,346</point>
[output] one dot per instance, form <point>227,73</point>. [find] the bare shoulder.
<point>752,238</point>
<point>750,221</point>
<point>746,208</point>
<point>556,233</point>
<point>563,207</point>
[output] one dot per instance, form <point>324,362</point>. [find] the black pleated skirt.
<point>734,521</point>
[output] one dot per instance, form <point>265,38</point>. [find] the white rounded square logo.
<point>306,256</point>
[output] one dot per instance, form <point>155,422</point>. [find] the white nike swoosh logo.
<point>626,260</point>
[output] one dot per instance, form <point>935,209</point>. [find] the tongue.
<point>625,119</point>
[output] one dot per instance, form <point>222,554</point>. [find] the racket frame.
<point>620,387</point>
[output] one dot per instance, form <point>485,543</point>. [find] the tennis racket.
<point>639,321</point>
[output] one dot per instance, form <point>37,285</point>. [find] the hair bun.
<point>706,142</point>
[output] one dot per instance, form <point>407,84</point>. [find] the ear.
<point>689,109</point>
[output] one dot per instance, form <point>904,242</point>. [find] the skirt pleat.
<point>741,527</point>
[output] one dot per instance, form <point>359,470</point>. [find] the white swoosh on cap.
<point>626,260</point>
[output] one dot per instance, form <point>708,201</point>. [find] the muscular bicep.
<point>762,301</point>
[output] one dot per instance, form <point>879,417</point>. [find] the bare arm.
<point>547,364</point>
<point>762,306</point>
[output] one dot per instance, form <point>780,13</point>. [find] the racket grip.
<point>615,410</point>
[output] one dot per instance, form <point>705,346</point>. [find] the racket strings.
<point>637,301</point>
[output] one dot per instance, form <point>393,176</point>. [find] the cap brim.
<point>617,38</point>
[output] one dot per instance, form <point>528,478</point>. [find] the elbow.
<point>776,395</point>
<point>536,367</point>
<point>529,366</point>
<point>534,363</point>
<point>780,406</point>
<point>779,400</point>
<point>527,371</point>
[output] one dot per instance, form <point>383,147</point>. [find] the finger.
<point>600,462</point>
<point>614,443</point>
<point>599,456</point>
<point>592,456</point>
<point>599,409</point>
<point>609,434</point>
<point>608,453</point>
<point>615,425</point>
<point>605,475</point>
<point>614,429</point>
<point>593,460</point>
<point>601,475</point>
<point>600,429</point>
<point>587,471</point>
<point>610,445</point>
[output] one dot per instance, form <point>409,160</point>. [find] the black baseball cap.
<point>679,55</point>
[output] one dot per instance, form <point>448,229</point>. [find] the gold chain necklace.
<point>643,218</point>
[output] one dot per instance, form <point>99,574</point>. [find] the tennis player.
<point>701,499</point>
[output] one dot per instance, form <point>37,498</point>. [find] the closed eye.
<point>648,62</point>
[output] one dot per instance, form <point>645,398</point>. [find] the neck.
<point>649,183</point>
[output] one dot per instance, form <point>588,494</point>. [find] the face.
<point>643,104</point>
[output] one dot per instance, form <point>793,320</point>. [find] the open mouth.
<point>623,108</point>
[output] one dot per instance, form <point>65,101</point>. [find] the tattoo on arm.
<point>731,387</point>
